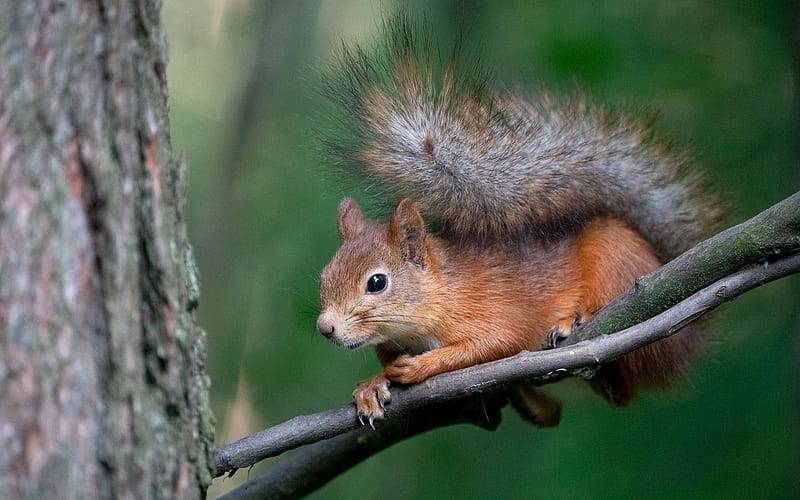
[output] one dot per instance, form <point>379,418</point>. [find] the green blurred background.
<point>242,78</point>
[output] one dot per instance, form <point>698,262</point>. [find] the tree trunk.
<point>103,391</point>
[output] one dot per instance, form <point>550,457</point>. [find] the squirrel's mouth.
<point>349,343</point>
<point>355,345</point>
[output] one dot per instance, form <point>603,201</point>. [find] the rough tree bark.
<point>103,391</point>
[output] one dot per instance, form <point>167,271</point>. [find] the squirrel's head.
<point>371,290</point>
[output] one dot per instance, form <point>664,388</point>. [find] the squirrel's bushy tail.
<point>485,164</point>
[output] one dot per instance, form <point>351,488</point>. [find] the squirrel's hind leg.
<point>608,258</point>
<point>536,407</point>
<point>562,329</point>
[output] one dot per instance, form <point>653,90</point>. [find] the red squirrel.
<point>541,213</point>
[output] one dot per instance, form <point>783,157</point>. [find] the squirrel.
<point>538,212</point>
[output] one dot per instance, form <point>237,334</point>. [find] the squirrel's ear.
<point>349,219</point>
<point>407,232</point>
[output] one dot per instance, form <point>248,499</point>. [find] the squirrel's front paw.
<point>371,396</point>
<point>407,369</point>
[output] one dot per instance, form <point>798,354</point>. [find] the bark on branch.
<point>763,249</point>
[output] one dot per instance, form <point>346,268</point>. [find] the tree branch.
<point>322,461</point>
<point>681,291</point>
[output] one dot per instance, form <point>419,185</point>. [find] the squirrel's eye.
<point>376,283</point>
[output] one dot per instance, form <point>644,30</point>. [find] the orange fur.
<point>449,305</point>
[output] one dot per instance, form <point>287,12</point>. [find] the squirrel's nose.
<point>325,326</point>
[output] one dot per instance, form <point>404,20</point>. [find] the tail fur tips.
<point>483,164</point>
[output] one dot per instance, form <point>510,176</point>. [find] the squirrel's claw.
<point>562,330</point>
<point>371,397</point>
<point>552,339</point>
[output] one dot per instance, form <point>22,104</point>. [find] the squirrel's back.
<point>485,164</point>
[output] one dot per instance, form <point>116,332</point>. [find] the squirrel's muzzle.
<point>325,326</point>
